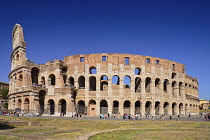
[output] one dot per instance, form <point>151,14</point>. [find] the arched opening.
<point>92,107</point>
<point>81,82</point>
<point>181,108</point>
<point>115,82</point>
<point>173,75</point>
<point>51,79</point>
<point>20,80</point>
<point>71,81</point>
<point>92,83</point>
<point>62,105</point>
<point>64,70</point>
<point>186,109</point>
<point>147,84</point>
<point>157,108</point>
<point>26,105</point>
<point>93,70</point>
<point>42,94</point>
<point>42,80</point>
<point>64,79</point>
<point>137,71</point>
<point>166,108</point>
<point>157,85</point>
<point>165,85</point>
<point>104,83</point>
<point>137,84</point>
<point>81,107</point>
<point>173,87</point>
<point>174,106</point>
<point>180,88</point>
<point>137,107</point>
<point>34,75</point>
<point>126,107</point>
<point>51,107</point>
<point>127,82</point>
<point>19,103</point>
<point>148,107</point>
<point>115,109</point>
<point>103,107</point>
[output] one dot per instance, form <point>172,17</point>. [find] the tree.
<point>4,93</point>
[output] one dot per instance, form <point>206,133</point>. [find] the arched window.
<point>165,85</point>
<point>104,83</point>
<point>71,81</point>
<point>173,75</point>
<point>92,83</point>
<point>173,87</point>
<point>51,79</point>
<point>127,81</point>
<point>81,82</point>
<point>157,84</point>
<point>147,84</point>
<point>137,71</point>
<point>93,70</point>
<point>34,75</point>
<point>137,84</point>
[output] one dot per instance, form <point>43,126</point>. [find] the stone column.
<point>110,104</point>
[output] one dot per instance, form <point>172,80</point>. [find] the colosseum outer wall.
<point>102,83</point>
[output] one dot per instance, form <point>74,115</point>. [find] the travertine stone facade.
<point>100,83</point>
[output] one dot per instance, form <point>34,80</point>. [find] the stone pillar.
<point>121,110</point>
<point>143,108</point>
<point>110,104</point>
<point>152,108</point>
<point>132,108</point>
<point>97,106</point>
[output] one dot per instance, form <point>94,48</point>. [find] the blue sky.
<point>177,30</point>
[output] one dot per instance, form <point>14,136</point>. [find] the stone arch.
<point>166,108</point>
<point>173,75</point>
<point>137,84</point>
<point>148,107</point>
<point>148,84</point>
<point>115,82</point>
<point>104,83</point>
<point>92,83</point>
<point>103,107</point>
<point>92,70</point>
<point>19,103</point>
<point>157,85</point>
<point>165,85</point>
<point>173,87</point>
<point>64,79</point>
<point>81,82</point>
<point>52,80</point>
<point>42,94</point>
<point>181,108</point>
<point>62,105</point>
<point>26,105</point>
<point>137,71</point>
<point>180,88</point>
<point>174,108</point>
<point>186,108</point>
<point>42,80</point>
<point>137,107</point>
<point>34,75</point>
<point>126,106</point>
<point>71,81</point>
<point>81,107</point>
<point>115,109</point>
<point>127,81</point>
<point>51,106</point>
<point>92,107</point>
<point>157,108</point>
<point>20,80</point>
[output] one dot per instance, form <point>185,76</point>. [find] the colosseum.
<point>102,83</point>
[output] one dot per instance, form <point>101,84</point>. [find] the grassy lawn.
<point>129,130</point>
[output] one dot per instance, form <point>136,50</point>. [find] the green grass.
<point>144,130</point>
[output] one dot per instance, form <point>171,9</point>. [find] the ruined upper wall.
<point>116,58</point>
